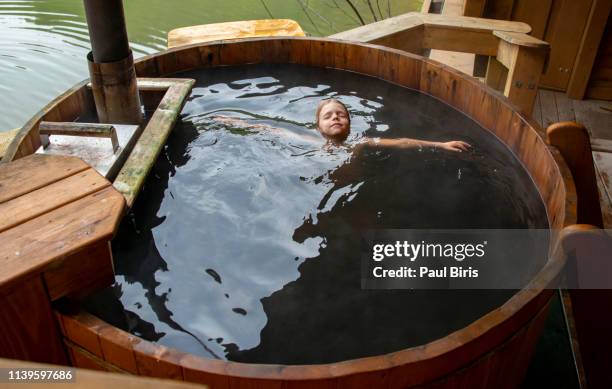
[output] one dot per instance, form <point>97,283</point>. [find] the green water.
<point>43,43</point>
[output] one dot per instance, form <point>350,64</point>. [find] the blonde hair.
<point>323,103</point>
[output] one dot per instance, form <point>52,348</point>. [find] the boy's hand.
<point>455,145</point>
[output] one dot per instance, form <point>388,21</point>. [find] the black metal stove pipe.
<point>111,65</point>
<point>107,31</point>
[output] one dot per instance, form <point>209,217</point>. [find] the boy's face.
<point>334,121</point>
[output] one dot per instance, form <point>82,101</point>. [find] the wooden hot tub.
<point>493,351</point>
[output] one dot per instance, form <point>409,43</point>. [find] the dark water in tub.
<point>245,244</point>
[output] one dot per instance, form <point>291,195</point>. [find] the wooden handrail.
<point>95,130</point>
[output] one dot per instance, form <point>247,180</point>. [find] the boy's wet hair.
<point>324,102</point>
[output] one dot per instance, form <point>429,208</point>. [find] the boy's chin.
<point>336,132</point>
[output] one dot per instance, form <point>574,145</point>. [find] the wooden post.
<point>573,141</point>
<point>524,56</point>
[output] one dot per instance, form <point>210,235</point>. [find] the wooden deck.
<point>596,115</point>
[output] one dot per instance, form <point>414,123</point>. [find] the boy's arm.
<point>407,143</point>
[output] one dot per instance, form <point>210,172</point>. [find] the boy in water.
<point>333,122</point>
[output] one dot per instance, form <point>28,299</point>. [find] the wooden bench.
<point>58,217</point>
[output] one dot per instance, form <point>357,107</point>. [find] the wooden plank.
<point>601,90</point>
<point>407,40</point>
<point>440,27</point>
<point>603,166</point>
<point>197,369</point>
<point>520,39</point>
<point>140,161</point>
<point>473,8</point>
<point>158,361</point>
<point>82,330</point>
<point>537,110</point>
<point>565,107</point>
<point>379,30</point>
<point>453,39</point>
<point>496,74</point>
<point>548,105</point>
<point>499,9</point>
<point>567,22</point>
<point>596,120</point>
<point>469,23</point>
<point>601,145</point>
<point>596,25</point>
<point>600,82</point>
<point>534,13</point>
<point>463,62</point>
<point>233,30</point>
<point>506,54</point>
<point>33,172</point>
<point>83,359</point>
<point>118,348</point>
<point>28,325</point>
<point>525,66</point>
<point>82,273</point>
<point>55,195</point>
<point>32,246</point>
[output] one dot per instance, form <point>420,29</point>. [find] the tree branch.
<point>356,12</point>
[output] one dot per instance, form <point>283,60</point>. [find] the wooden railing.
<point>517,59</point>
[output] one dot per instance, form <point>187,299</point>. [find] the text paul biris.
<point>415,251</point>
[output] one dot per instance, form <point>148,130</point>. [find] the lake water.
<point>43,43</point>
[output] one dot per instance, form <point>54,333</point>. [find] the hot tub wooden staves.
<point>494,351</point>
